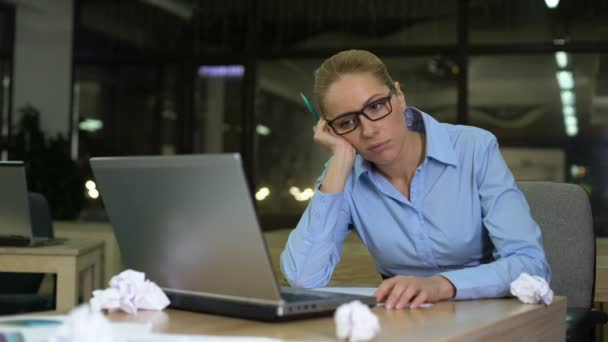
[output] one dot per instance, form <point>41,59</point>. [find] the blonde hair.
<point>348,62</point>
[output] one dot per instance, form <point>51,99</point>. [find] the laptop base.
<point>254,311</point>
<point>14,241</point>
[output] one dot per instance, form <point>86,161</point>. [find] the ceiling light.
<point>569,111</point>
<point>565,79</point>
<point>551,3</point>
<point>561,59</point>
<point>90,125</point>
<point>567,97</point>
<point>262,130</point>
<point>571,130</point>
<point>570,121</point>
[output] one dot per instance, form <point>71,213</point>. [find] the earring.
<point>409,117</point>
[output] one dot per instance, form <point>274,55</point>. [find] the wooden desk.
<point>601,270</point>
<point>79,230</point>
<point>75,262</point>
<point>480,320</point>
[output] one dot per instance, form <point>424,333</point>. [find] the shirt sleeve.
<point>314,247</point>
<point>516,237</point>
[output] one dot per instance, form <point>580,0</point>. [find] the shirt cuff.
<point>468,285</point>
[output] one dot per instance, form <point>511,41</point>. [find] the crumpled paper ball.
<point>130,291</point>
<point>355,322</point>
<point>84,324</point>
<point>532,289</point>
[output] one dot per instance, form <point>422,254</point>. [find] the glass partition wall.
<point>209,76</point>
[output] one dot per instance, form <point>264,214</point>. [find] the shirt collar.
<point>438,144</point>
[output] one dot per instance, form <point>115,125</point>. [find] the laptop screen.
<point>188,222</point>
<point>14,207</point>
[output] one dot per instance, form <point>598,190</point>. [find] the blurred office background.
<point>150,77</point>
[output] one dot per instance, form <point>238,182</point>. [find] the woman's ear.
<point>400,95</point>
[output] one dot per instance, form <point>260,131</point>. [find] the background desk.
<point>76,262</point>
<point>480,320</point>
<point>601,270</point>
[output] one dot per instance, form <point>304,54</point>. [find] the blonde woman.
<point>435,204</point>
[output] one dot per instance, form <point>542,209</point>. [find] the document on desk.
<point>41,328</point>
<point>362,291</point>
<point>201,338</point>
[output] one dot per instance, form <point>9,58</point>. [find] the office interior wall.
<point>42,63</point>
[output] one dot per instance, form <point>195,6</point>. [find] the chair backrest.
<point>40,214</point>
<point>563,213</point>
<point>42,226</point>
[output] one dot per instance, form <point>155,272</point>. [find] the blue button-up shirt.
<point>465,219</point>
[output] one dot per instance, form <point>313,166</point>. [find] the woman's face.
<point>380,141</point>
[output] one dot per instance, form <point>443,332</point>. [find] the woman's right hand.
<point>342,160</point>
<point>335,144</point>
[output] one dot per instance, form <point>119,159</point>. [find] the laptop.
<point>189,223</point>
<point>16,217</point>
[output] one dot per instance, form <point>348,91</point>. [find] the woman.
<point>434,203</point>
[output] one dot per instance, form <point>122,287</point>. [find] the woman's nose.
<point>368,127</point>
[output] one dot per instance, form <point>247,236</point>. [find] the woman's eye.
<point>347,123</point>
<point>374,107</point>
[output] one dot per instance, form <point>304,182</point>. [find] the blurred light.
<point>93,193</point>
<point>571,131</point>
<point>565,79</point>
<point>301,196</point>
<point>221,70</point>
<point>551,3</point>
<point>6,81</point>
<point>569,111</point>
<point>90,125</point>
<point>559,41</point>
<point>574,170</point>
<point>90,185</point>
<point>262,130</point>
<point>561,59</point>
<point>567,98</point>
<point>570,121</point>
<point>261,194</point>
<point>582,171</point>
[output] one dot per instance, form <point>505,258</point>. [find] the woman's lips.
<point>379,147</point>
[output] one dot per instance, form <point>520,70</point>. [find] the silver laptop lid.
<point>189,223</point>
<point>14,206</point>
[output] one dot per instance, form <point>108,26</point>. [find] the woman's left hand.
<point>401,290</point>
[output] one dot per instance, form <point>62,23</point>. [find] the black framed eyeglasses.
<point>377,110</point>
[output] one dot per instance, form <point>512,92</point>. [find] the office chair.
<point>19,291</point>
<point>563,213</point>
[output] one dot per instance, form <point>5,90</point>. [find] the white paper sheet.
<point>361,291</point>
<point>128,332</point>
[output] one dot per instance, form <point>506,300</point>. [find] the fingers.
<point>395,295</point>
<point>407,296</point>
<point>420,299</point>
<point>384,289</point>
<point>399,291</point>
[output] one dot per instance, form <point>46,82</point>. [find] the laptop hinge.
<point>279,302</point>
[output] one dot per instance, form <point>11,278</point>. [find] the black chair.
<point>19,291</point>
<point>563,213</point>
